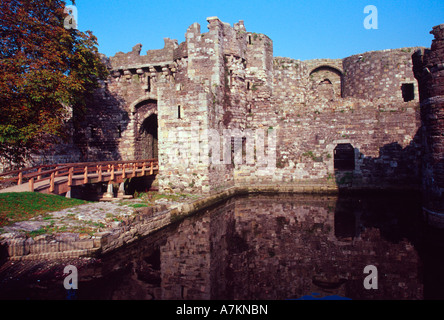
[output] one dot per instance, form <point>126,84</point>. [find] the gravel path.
<point>88,216</point>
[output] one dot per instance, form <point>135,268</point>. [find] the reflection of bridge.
<point>59,178</point>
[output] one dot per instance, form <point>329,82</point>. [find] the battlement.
<point>133,59</point>
<point>234,40</point>
<point>438,32</point>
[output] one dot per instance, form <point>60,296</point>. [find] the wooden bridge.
<point>59,178</point>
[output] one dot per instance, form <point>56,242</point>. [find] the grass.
<point>137,205</point>
<point>21,206</point>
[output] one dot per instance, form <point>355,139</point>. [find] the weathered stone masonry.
<point>169,102</point>
<point>429,70</point>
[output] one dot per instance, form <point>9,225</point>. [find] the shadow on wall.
<point>97,191</point>
<point>99,127</point>
<point>396,168</point>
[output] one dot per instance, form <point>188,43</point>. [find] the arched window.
<point>329,75</point>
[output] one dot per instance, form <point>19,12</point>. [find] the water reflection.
<point>271,247</point>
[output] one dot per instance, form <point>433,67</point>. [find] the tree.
<point>46,73</point>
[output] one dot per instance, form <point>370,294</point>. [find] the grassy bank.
<point>21,206</point>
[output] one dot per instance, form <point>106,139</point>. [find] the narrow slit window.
<point>119,131</point>
<point>179,111</point>
<point>93,132</point>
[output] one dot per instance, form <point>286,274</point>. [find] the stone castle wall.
<point>228,79</point>
<point>317,105</point>
<point>429,70</point>
<point>379,74</point>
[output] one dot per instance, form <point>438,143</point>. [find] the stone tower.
<point>429,71</point>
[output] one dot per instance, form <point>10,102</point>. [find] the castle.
<point>351,123</point>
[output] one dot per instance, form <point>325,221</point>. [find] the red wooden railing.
<point>124,169</point>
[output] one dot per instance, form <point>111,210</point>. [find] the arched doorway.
<point>344,157</point>
<point>146,130</point>
<point>148,142</point>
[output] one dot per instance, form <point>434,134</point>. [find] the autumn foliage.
<point>46,71</point>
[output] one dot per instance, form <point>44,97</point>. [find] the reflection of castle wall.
<point>277,261</point>
<point>185,261</point>
<point>222,232</point>
<point>279,248</point>
<point>293,243</point>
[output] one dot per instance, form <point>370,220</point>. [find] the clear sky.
<point>300,29</point>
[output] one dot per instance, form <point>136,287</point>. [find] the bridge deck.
<point>64,176</point>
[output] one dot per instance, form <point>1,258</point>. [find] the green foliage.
<point>138,205</point>
<point>311,155</point>
<point>45,70</point>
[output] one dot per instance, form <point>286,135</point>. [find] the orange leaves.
<point>43,68</point>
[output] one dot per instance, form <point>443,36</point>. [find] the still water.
<point>262,247</point>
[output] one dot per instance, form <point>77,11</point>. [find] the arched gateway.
<point>145,129</point>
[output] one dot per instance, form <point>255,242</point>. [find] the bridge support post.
<point>110,190</point>
<point>121,192</point>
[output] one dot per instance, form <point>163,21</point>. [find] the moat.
<point>260,247</point>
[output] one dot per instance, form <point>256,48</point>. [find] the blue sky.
<point>300,29</point>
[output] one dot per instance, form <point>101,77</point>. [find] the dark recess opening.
<point>344,157</point>
<point>408,91</point>
<point>148,138</point>
<point>326,81</point>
